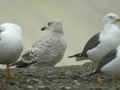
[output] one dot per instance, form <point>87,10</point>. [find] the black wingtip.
<point>23,64</point>
<point>93,73</point>
<point>75,55</point>
<point>88,74</point>
<point>71,56</point>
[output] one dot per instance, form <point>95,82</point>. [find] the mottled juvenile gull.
<point>103,42</point>
<point>49,50</point>
<point>11,44</point>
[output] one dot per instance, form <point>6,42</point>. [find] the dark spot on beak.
<point>43,28</point>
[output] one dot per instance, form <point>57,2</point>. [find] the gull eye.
<point>50,23</point>
<point>111,17</point>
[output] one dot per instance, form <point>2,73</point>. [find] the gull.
<point>102,42</point>
<point>109,64</point>
<point>11,44</point>
<point>47,51</point>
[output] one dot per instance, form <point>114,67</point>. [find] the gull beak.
<point>43,28</point>
<point>118,20</point>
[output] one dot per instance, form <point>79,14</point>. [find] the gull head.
<point>54,26</point>
<point>111,18</point>
<point>10,27</point>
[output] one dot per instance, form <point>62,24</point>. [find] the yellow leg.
<point>100,80</point>
<point>9,72</point>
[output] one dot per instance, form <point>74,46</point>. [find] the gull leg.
<point>100,79</point>
<point>9,72</point>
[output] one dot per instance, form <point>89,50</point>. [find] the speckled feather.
<point>50,48</point>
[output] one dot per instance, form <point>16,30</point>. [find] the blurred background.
<point>81,19</point>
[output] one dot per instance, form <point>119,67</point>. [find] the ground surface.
<point>46,78</point>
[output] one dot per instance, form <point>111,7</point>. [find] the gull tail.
<point>22,64</point>
<point>78,56</point>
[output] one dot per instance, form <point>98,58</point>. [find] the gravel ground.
<point>48,78</point>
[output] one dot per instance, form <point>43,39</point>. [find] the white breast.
<point>11,46</point>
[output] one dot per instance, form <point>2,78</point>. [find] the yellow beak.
<point>118,20</point>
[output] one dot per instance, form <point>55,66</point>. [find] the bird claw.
<point>100,80</point>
